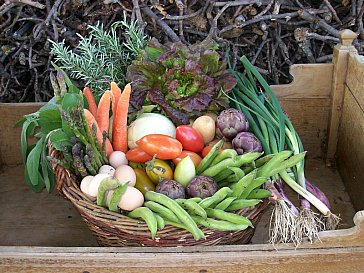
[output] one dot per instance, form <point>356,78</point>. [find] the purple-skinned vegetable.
<point>318,193</point>
<point>231,122</point>
<point>202,186</point>
<point>246,142</point>
<point>171,188</point>
<point>183,81</point>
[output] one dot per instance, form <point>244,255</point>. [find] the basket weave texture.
<point>115,229</point>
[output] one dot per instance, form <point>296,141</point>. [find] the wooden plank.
<point>42,219</point>
<point>309,118</point>
<point>10,153</point>
<point>309,81</point>
<point>341,55</point>
<point>351,149</point>
<point>355,78</point>
<point>222,259</point>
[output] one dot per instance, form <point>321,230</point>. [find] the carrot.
<point>91,120</point>
<point>116,91</point>
<point>103,111</point>
<point>120,133</point>
<point>90,100</point>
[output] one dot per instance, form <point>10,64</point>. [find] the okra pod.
<point>216,198</point>
<point>273,163</point>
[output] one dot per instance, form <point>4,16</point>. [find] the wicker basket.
<point>115,229</point>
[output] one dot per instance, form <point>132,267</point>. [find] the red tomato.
<point>191,139</point>
<point>138,155</point>
<point>195,157</point>
<point>165,147</point>
<point>207,149</point>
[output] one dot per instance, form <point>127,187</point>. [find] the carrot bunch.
<point>100,116</point>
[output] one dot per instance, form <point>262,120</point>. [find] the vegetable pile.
<point>188,143</point>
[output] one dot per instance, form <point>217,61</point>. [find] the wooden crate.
<point>43,233</point>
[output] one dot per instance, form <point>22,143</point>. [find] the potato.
<point>227,144</point>
<point>205,125</point>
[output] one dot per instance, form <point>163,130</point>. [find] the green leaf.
<point>33,161</point>
<point>36,188</point>
<point>71,100</point>
<point>59,137</point>
<point>27,130</point>
<point>52,104</point>
<point>49,120</point>
<point>47,172</point>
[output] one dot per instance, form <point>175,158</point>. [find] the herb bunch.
<point>101,57</point>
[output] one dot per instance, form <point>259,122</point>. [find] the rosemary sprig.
<point>102,56</point>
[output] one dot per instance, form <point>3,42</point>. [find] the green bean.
<point>242,184</point>
<point>225,203</point>
<point>163,211</point>
<point>221,176</point>
<point>230,162</point>
<point>207,202</point>
<point>227,216</point>
<point>195,199</point>
<point>218,224</point>
<point>148,216</point>
<point>292,161</point>
<point>256,183</point>
<point>160,221</point>
<point>179,225</point>
<point>258,163</point>
<point>238,172</point>
<point>242,203</point>
<point>206,161</point>
<point>192,207</point>
<point>105,185</point>
<point>259,194</point>
<point>116,197</point>
<point>182,215</point>
<point>220,195</point>
<point>276,160</point>
<point>227,153</point>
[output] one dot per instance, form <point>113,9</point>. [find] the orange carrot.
<point>103,111</point>
<point>119,132</point>
<point>116,91</point>
<point>90,100</point>
<point>91,120</point>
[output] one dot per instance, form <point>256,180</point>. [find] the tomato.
<point>195,157</point>
<point>157,170</point>
<point>191,139</point>
<point>207,149</point>
<point>143,182</point>
<point>138,155</point>
<point>165,147</point>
